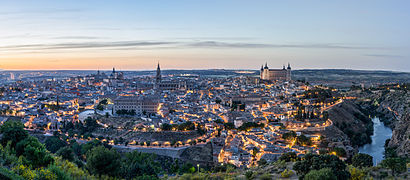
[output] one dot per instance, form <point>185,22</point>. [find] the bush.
<point>286,173</point>
<point>322,174</point>
<point>397,165</point>
<point>289,156</point>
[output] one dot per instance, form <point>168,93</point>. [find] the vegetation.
<point>321,174</point>
<point>317,162</point>
<point>30,159</point>
<point>362,160</point>
<point>126,112</point>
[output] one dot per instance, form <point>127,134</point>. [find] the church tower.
<point>288,73</point>
<point>158,76</point>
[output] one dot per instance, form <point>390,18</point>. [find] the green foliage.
<point>362,160</point>
<point>340,152</point>
<point>102,161</point>
<point>127,112</point>
<point>390,152</point>
<point>71,169</point>
<point>317,162</point>
<point>53,144</point>
<point>265,176</point>
<point>356,173</point>
<point>66,153</point>
<point>137,164</point>
<point>184,126</point>
<point>302,140</point>
<point>8,155</point>
<point>6,174</point>
<point>289,135</point>
<point>286,173</point>
<point>166,127</point>
<point>322,174</point>
<point>289,156</point>
<point>248,174</point>
<point>13,131</point>
<point>34,153</point>
<point>262,162</point>
<point>250,125</point>
<point>397,165</point>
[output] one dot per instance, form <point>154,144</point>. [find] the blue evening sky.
<point>84,34</point>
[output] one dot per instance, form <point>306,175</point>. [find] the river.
<point>376,148</point>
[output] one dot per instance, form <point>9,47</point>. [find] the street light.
<point>198,167</point>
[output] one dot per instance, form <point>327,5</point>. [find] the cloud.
<point>41,11</point>
<point>215,44</point>
<point>85,45</point>
<point>383,55</point>
<point>77,37</point>
<point>145,45</point>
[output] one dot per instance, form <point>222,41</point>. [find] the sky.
<point>212,34</point>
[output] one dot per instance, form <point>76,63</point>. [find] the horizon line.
<point>128,70</point>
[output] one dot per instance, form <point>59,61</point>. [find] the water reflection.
<point>376,148</point>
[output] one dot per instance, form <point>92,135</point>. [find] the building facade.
<point>139,104</point>
<point>283,74</point>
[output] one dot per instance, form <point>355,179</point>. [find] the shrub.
<point>286,173</point>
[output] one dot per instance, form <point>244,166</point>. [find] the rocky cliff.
<point>352,120</point>
<point>394,107</point>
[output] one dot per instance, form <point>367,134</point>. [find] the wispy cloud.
<point>77,37</point>
<point>41,11</point>
<point>219,44</point>
<point>85,45</point>
<point>124,45</point>
<point>384,55</point>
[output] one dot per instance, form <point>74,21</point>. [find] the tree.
<point>13,131</point>
<point>66,153</point>
<point>289,135</point>
<point>101,160</point>
<point>137,164</point>
<point>53,144</point>
<point>33,152</point>
<point>166,127</point>
<point>317,162</point>
<point>288,157</point>
<point>322,174</point>
<point>397,165</point>
<point>340,151</point>
<point>362,160</point>
<point>303,140</point>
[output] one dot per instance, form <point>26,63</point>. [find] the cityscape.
<point>100,110</point>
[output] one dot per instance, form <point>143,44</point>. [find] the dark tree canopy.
<point>13,131</point>
<point>103,161</point>
<point>289,156</point>
<point>53,144</point>
<point>317,162</point>
<point>34,152</point>
<point>362,160</point>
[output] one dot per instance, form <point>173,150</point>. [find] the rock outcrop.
<point>352,121</point>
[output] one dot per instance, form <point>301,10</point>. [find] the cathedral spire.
<point>158,76</point>
<point>289,66</point>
